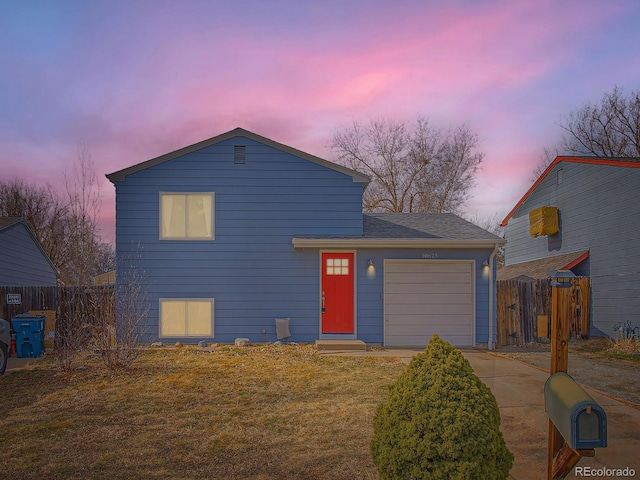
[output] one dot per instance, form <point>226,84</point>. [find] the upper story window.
<point>187,216</point>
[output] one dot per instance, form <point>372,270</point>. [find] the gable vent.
<point>239,154</point>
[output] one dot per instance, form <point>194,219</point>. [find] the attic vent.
<point>239,154</point>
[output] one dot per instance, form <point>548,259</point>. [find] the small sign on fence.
<point>14,298</point>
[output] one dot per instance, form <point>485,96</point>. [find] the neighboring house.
<point>598,227</point>
<point>23,262</point>
<point>237,231</point>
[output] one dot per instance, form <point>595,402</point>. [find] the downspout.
<point>491,293</point>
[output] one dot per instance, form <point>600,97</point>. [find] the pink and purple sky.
<point>131,80</point>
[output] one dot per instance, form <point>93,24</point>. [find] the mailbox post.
<point>580,413</point>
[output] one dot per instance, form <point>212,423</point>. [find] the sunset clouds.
<point>131,80</point>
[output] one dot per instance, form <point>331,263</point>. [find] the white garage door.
<point>425,297</point>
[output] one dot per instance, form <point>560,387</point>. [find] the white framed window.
<point>337,266</point>
<point>187,216</point>
<point>186,317</point>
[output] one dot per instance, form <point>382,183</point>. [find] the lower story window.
<point>191,317</point>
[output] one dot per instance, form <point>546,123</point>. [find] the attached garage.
<point>427,297</point>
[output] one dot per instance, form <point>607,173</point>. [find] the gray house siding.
<point>599,209</point>
<point>250,269</point>
<point>23,263</point>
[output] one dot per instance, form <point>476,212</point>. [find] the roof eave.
<point>394,243</point>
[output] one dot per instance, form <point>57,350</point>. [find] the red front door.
<point>337,293</point>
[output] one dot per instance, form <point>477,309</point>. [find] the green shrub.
<point>440,422</point>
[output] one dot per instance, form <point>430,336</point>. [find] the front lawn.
<point>261,412</point>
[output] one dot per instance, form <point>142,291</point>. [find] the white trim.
<point>337,336</point>
<point>492,290</point>
<point>352,243</point>
<point>431,261</point>
<point>181,299</point>
<point>180,239</point>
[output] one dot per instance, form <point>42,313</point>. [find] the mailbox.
<point>577,416</point>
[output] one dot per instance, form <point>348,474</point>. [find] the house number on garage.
<point>429,255</point>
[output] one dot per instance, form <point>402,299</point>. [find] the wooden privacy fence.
<point>65,301</point>
<point>524,310</point>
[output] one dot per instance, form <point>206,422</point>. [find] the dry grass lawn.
<point>260,412</point>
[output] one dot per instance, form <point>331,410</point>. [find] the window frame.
<point>186,238</point>
<point>211,300</point>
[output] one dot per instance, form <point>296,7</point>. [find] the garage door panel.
<point>423,298</point>
<point>443,321</point>
<point>435,278</point>
<point>416,326</point>
<point>411,266</point>
<point>434,289</point>
<point>430,312</point>
<point>422,341</point>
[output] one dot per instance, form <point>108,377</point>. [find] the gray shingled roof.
<point>540,268</point>
<point>423,225</point>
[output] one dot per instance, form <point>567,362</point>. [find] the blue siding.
<point>600,212</point>
<point>251,268</point>
<point>23,262</point>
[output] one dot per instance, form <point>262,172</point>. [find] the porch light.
<point>561,278</point>
<point>485,264</point>
<point>370,264</point>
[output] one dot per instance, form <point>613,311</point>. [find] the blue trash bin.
<point>29,331</point>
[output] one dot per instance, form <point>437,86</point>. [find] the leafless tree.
<point>43,210</point>
<point>491,224</point>
<point>120,330</point>
<point>83,193</point>
<point>420,169</point>
<point>75,317</point>
<point>65,225</point>
<point>610,128</point>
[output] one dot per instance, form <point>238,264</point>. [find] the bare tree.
<point>83,194</point>
<point>491,224</point>
<point>120,331</point>
<point>65,226</point>
<point>610,128</point>
<point>43,210</point>
<point>417,170</point>
<point>74,324</point>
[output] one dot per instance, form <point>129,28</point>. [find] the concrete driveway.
<point>518,388</point>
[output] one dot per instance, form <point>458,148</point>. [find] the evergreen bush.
<point>440,422</point>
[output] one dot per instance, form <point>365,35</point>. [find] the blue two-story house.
<point>237,231</point>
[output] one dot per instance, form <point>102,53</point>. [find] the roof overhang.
<point>540,268</point>
<point>300,242</point>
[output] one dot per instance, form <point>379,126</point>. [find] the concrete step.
<point>341,345</point>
